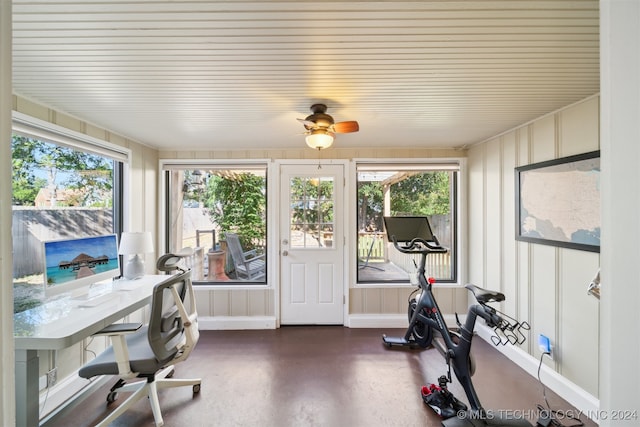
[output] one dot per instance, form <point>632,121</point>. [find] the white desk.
<point>62,322</point>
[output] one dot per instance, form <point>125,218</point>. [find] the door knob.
<point>285,242</point>
<point>285,253</point>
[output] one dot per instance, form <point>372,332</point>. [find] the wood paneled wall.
<point>545,285</point>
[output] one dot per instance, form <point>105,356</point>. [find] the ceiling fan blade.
<point>307,123</point>
<point>346,127</point>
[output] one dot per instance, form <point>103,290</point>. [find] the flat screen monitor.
<point>71,264</point>
<point>407,228</point>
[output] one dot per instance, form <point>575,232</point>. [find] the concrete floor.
<point>318,376</point>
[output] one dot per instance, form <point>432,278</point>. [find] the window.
<point>61,189</point>
<point>220,212</point>
<point>311,212</point>
<point>405,190</point>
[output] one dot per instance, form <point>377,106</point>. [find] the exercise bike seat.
<point>484,296</point>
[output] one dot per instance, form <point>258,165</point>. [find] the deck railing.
<point>365,242</point>
<point>438,265</point>
<point>373,247</point>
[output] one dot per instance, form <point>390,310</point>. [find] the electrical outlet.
<point>544,343</point>
<point>52,377</point>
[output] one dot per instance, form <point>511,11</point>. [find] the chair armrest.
<point>117,332</point>
<point>119,329</point>
<point>254,256</point>
<point>252,253</point>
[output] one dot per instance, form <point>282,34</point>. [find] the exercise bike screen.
<point>407,228</point>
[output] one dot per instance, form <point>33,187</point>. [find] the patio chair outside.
<point>248,265</point>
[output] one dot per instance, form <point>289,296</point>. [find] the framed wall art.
<point>558,202</point>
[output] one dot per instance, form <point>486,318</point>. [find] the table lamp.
<point>135,243</point>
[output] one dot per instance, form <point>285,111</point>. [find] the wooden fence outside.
<point>31,226</point>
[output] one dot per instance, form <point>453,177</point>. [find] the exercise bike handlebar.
<point>419,246</point>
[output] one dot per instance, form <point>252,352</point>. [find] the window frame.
<point>32,127</point>
<point>50,132</point>
<point>166,165</point>
<point>458,215</point>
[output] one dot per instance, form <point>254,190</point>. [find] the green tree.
<point>237,203</point>
<point>370,205</point>
<point>312,200</point>
<point>24,183</point>
<point>91,176</point>
<point>418,193</point>
<point>312,206</point>
<point>421,194</point>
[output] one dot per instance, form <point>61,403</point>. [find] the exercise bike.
<point>413,235</point>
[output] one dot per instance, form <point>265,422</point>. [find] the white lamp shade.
<point>132,243</point>
<point>319,139</point>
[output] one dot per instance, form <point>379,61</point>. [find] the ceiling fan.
<point>321,128</point>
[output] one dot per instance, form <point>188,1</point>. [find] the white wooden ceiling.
<point>236,74</point>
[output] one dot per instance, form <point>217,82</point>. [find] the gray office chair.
<point>150,351</point>
<point>248,265</point>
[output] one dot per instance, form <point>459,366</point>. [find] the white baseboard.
<point>217,323</point>
<point>572,393</point>
<point>396,321</point>
<point>68,394</point>
<point>377,321</point>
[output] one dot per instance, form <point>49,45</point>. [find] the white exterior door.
<point>312,244</point>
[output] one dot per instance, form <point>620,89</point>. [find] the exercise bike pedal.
<point>398,342</point>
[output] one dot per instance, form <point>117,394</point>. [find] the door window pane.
<point>311,212</point>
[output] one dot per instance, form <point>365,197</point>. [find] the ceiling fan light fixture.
<point>320,139</point>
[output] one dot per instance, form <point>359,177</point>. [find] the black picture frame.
<point>556,198</point>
